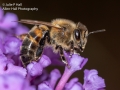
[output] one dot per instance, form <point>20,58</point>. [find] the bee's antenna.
<point>97,31</point>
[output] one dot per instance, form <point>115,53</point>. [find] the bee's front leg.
<point>71,48</point>
<point>62,56</point>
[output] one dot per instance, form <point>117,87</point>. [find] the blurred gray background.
<point>102,49</point>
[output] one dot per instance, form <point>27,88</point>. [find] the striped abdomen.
<point>30,46</point>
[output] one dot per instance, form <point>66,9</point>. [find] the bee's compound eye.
<point>77,34</point>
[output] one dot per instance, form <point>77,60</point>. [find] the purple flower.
<point>76,63</point>
<point>1,13</point>
<point>10,68</point>
<point>7,68</point>
<point>21,29</point>
<point>6,21</point>
<point>92,81</point>
<point>44,86</point>
<point>51,82</point>
<point>1,47</point>
<point>54,57</point>
<point>76,86</point>
<point>14,77</point>
<point>14,82</point>
<point>73,84</point>
<point>44,61</point>
<point>12,46</point>
<point>3,58</point>
<point>54,76</point>
<point>35,68</point>
<point>8,27</point>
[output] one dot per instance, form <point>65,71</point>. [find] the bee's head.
<point>81,34</point>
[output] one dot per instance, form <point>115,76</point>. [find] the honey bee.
<point>61,34</point>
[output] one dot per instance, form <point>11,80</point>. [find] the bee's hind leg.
<point>42,43</point>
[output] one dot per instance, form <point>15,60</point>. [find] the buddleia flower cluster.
<point>13,76</point>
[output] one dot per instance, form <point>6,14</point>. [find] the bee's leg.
<point>42,43</point>
<point>39,52</point>
<point>48,38</point>
<point>56,47</point>
<point>71,48</point>
<point>62,57</point>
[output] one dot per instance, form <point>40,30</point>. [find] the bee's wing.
<point>34,22</point>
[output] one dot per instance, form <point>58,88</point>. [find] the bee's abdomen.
<point>28,49</point>
<point>30,45</point>
<point>35,35</point>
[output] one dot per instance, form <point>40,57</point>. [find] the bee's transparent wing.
<point>34,22</point>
